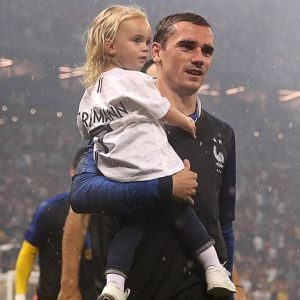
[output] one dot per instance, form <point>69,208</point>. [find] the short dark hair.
<point>77,157</point>
<point>165,27</point>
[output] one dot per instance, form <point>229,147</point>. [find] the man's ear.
<point>109,47</point>
<point>156,49</point>
<point>72,172</point>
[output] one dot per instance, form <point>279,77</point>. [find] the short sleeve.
<point>82,115</point>
<point>141,89</point>
<point>37,228</point>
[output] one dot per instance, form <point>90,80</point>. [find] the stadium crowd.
<point>38,128</point>
<point>37,149</point>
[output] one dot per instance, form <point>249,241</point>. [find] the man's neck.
<point>185,104</point>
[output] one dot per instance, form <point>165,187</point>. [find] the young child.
<point>121,111</point>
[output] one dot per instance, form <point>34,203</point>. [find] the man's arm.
<point>227,203</point>
<point>228,235</point>
<point>240,295</point>
<point>73,240</point>
<point>24,265</point>
<point>93,193</point>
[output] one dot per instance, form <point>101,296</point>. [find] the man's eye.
<point>207,51</point>
<point>187,47</point>
<point>207,54</point>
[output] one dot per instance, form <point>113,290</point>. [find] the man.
<point>75,230</point>
<point>150,68</point>
<point>162,269</point>
<point>44,237</point>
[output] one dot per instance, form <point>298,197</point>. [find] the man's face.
<point>184,60</point>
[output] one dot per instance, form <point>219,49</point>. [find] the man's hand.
<point>69,294</point>
<point>184,184</point>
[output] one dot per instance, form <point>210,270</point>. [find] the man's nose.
<point>197,57</point>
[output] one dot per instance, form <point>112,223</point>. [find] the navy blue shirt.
<point>171,274</point>
<point>46,232</point>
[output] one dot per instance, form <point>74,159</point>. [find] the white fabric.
<point>209,257</point>
<point>20,297</point>
<point>134,147</point>
<point>117,279</point>
<point>198,107</point>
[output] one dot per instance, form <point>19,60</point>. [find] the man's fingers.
<point>186,164</point>
<point>190,201</point>
<point>186,200</point>
<point>194,132</point>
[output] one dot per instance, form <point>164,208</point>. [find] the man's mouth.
<point>196,72</point>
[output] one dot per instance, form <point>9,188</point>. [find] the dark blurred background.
<point>254,85</point>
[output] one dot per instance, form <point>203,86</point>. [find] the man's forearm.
<point>93,193</point>
<point>73,240</point>
<point>240,295</point>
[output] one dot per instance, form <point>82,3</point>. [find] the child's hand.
<point>190,127</point>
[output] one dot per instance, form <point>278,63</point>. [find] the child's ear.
<point>109,46</point>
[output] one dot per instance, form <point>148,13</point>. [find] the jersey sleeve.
<point>24,265</point>
<point>92,193</point>
<point>228,235</point>
<point>141,89</point>
<point>37,230</point>
<point>228,188</point>
<point>227,203</point>
<point>82,116</point>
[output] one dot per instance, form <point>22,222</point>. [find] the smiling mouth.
<point>195,72</point>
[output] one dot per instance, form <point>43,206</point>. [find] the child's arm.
<point>176,118</point>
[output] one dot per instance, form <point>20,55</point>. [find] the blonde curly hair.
<point>104,28</point>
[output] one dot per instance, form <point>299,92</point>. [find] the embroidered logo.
<point>219,156</point>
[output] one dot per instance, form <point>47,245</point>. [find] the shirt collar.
<point>197,113</point>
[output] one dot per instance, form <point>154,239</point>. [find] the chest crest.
<point>218,154</point>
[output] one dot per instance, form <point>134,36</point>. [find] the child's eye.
<point>137,40</point>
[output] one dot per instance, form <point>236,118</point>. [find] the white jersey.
<point>122,111</point>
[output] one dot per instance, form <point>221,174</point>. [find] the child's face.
<point>132,43</point>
